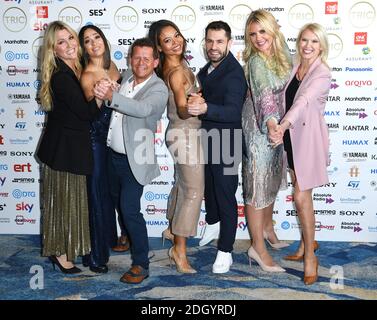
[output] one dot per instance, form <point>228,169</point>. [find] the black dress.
<point>289,97</point>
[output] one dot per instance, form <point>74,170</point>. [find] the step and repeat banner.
<point>345,208</point>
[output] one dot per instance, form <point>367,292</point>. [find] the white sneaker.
<point>223,262</point>
<point>211,232</point>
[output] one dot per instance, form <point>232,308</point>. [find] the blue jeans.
<point>126,193</point>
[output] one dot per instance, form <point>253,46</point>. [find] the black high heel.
<point>55,261</point>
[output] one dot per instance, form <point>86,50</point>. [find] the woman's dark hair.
<point>85,56</point>
<point>154,34</point>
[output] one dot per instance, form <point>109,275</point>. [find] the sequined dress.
<point>263,173</point>
<point>184,145</point>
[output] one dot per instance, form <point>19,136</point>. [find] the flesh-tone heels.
<point>179,262</point>
<point>166,234</point>
<point>297,257</point>
<point>255,256</point>
<point>278,245</point>
<point>308,280</point>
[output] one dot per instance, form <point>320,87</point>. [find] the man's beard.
<point>222,56</point>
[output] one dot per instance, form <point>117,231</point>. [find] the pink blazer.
<point>309,132</point>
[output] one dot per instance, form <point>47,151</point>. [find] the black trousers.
<point>221,203</point>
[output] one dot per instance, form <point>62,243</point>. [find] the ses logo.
<point>96,12</point>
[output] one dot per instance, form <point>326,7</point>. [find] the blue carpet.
<point>347,271</point>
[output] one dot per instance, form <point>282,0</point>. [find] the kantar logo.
<point>126,18</point>
<point>14,19</point>
<point>184,17</point>
<point>238,16</point>
<point>362,14</point>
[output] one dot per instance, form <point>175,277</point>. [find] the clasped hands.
<point>103,89</point>
<point>196,105</point>
<point>275,135</point>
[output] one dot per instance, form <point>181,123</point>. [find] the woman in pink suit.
<point>306,142</point>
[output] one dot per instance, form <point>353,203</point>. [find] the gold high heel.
<point>309,280</point>
<point>179,262</point>
<point>296,257</point>
<point>166,234</point>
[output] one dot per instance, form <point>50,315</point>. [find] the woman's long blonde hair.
<point>279,61</point>
<point>49,65</point>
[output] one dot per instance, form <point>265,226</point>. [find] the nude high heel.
<point>166,234</point>
<point>179,262</point>
<point>276,246</point>
<point>255,256</point>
